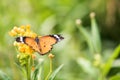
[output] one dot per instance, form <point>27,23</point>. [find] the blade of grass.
<point>86,65</point>
<point>117,77</point>
<point>20,68</point>
<point>108,64</point>
<point>37,74</point>
<point>52,76</point>
<point>95,34</point>
<point>3,76</point>
<point>87,37</point>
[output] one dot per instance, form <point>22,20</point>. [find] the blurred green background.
<point>58,17</point>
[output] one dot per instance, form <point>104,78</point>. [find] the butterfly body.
<point>42,44</point>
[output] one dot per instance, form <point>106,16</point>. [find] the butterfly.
<point>43,44</point>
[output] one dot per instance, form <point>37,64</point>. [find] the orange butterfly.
<point>43,44</point>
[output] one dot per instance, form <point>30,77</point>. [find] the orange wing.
<point>42,44</point>
<point>32,43</point>
<point>45,43</point>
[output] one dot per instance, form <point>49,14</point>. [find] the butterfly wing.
<point>40,44</point>
<point>46,43</point>
<point>32,43</point>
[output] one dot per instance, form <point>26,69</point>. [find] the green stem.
<point>50,70</point>
<point>102,77</point>
<point>28,68</point>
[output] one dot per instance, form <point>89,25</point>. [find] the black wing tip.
<point>18,39</point>
<point>57,36</point>
<point>61,37</point>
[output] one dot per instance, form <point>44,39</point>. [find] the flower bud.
<point>51,56</point>
<point>92,14</point>
<point>78,21</point>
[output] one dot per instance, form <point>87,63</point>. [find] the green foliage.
<point>3,76</point>
<point>96,40</point>
<point>92,37</point>
<point>37,74</point>
<point>52,77</point>
<point>117,77</point>
<point>94,43</point>
<point>81,46</point>
<point>110,61</point>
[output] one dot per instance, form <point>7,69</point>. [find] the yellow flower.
<point>21,49</point>
<point>25,51</point>
<point>23,31</point>
<point>30,34</point>
<point>22,27</point>
<point>28,50</point>
<point>28,28</point>
<point>12,33</point>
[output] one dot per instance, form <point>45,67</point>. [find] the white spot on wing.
<point>21,39</point>
<point>57,37</point>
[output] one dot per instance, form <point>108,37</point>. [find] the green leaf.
<point>3,76</point>
<point>117,77</point>
<point>87,37</point>
<point>86,65</point>
<point>37,74</point>
<point>55,72</point>
<point>108,64</point>
<point>95,36</point>
<point>20,68</point>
